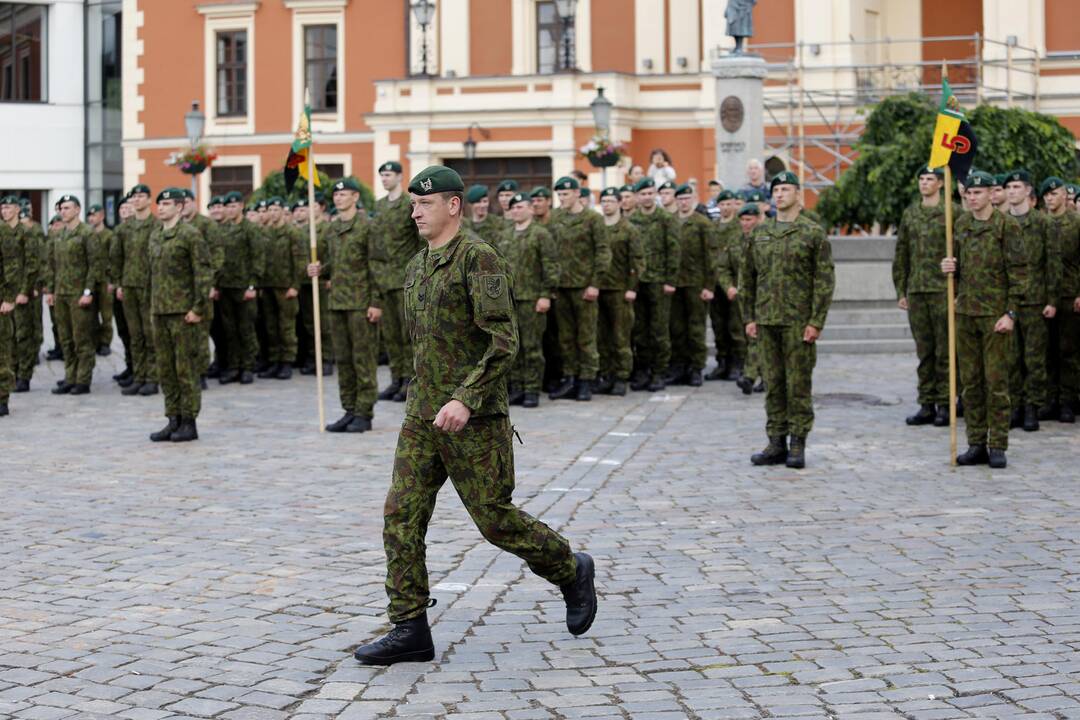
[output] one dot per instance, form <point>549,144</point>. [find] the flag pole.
<point>950,294</point>
<point>315,310</point>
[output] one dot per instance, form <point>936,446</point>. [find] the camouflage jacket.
<point>730,242</point>
<point>211,232</point>
<point>920,247</point>
<point>533,261</point>
<point>396,240</point>
<point>493,230</point>
<point>459,313</point>
<point>74,264</point>
<point>324,231</point>
<point>788,274</point>
<point>180,271</point>
<point>991,267</point>
<point>30,257</point>
<point>13,276</point>
<point>353,285</point>
<point>34,242</point>
<point>102,243</point>
<point>627,257</point>
<point>286,257</point>
<point>584,254</point>
<point>1043,259</point>
<point>1065,231</point>
<point>661,245</point>
<point>130,255</point>
<point>242,255</point>
<point>698,248</point>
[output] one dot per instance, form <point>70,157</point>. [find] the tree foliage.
<point>274,184</point>
<point>896,143</point>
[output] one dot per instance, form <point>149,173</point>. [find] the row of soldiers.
<point>1017,304</point>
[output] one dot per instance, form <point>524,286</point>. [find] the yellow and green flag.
<point>954,140</point>
<point>297,162</point>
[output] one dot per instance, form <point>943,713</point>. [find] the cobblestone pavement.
<point>230,578</point>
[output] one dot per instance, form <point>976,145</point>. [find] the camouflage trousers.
<point>788,363</point>
<point>39,320</point>
<point>396,334</point>
<point>279,313</point>
<point>652,333</point>
<point>688,312</point>
<point>479,461</point>
<point>727,326</point>
<point>103,333</point>
<point>753,359</point>
<point>577,319</point>
<point>528,370</point>
<point>1064,355</point>
<point>614,330</point>
<point>1027,375</point>
<point>928,316</point>
<point>203,361</point>
<point>983,357</point>
<point>141,327</point>
<point>26,349</point>
<point>356,352</point>
<point>76,325</point>
<point>238,327</point>
<point>178,360</point>
<point>7,357</point>
<point>307,322</point>
<point>122,330</point>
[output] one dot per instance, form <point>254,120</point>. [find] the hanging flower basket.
<point>602,152</point>
<point>192,161</point>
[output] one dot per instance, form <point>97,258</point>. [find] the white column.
<point>454,23</point>
<point>649,30</point>
<point>685,23</point>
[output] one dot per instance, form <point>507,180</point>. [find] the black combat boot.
<point>309,368</point>
<point>126,382</point>
<point>618,388</point>
<point>408,641</point>
<point>1031,418</point>
<point>213,371</point>
<point>1067,414</point>
<point>720,372</point>
<point>229,376</point>
<point>202,383</point>
<point>403,390</point>
<point>270,371</point>
<point>760,387</point>
<point>735,369</point>
<point>4,410</point>
<point>639,382</point>
<point>1049,411</point>
<point>284,371</point>
<point>148,389</point>
<point>22,385</point>
<point>391,390</point>
<point>603,385</point>
<point>676,375</point>
<point>166,432</point>
<point>997,458</point>
<point>104,351</point>
<point>796,457</point>
<point>656,384</point>
<point>80,389</point>
<point>693,378</point>
<point>515,395</point>
<point>327,368</point>
<point>1016,418</point>
<point>530,400</point>
<point>580,596</point>
<point>924,416</point>
<point>941,416</point>
<point>338,426</point>
<point>54,354</point>
<point>126,375</point>
<point>247,377</point>
<point>775,454</point>
<point>186,432</point>
<point>564,389</point>
<point>746,384</point>
<point>62,389</point>
<point>584,390</point>
<point>131,389</point>
<point>359,424</point>
<point>974,455</point>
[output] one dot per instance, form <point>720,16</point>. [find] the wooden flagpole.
<point>315,310</point>
<point>950,294</point>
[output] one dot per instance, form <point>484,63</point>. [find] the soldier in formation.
<point>618,293</point>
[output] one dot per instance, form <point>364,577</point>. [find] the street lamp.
<point>566,10</point>
<point>194,124</point>
<point>601,111</point>
<point>469,145</point>
<point>423,10</point>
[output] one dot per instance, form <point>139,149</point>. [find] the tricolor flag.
<point>954,140</point>
<point>297,164</point>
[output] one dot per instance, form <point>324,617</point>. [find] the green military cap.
<point>233,197</point>
<point>749,209</point>
<point>683,190</point>
<point>9,200</point>
<point>23,213</point>
<point>436,179</point>
<point>301,203</point>
<point>567,183</point>
<point>391,166</point>
<point>320,198</point>
<point>55,219</point>
<point>1072,188</point>
<point>980,178</point>
<point>754,196</point>
<point>999,180</point>
<point>584,192</point>
<point>170,194</point>
<point>215,201</point>
<point>540,191</point>
<point>262,204</point>
<point>1051,183</point>
<point>140,188</point>
<point>507,186</point>
<point>25,202</point>
<point>94,208</point>
<point>726,195</point>
<point>785,178</point>
<point>1019,175</point>
<point>346,184</point>
<point>275,201</point>
<point>927,170</point>
<point>476,193</point>
<point>519,197</point>
<point>668,185</point>
<point>70,199</point>
<point>188,194</point>
<point>644,184</point>
<point>626,188</point>
<point>610,192</point>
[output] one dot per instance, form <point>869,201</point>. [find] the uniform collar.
<point>442,256</point>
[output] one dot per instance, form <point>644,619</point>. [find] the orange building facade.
<point>385,88</point>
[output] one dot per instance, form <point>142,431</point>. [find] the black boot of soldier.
<point>676,375</point>
<point>391,390</point>
<point>408,641</point>
<point>657,384</point>
<point>1031,418</point>
<point>693,378</point>
<point>997,458</point>
<point>974,455</point>
<point>746,384</point>
<point>403,390</point>
<point>796,457</point>
<point>639,381</point>
<point>603,385</point>
<point>735,370</point>
<point>580,596</point>
<point>618,388</point>
<point>584,390</point>
<point>229,376</point>
<point>165,433</point>
<point>924,416</point>
<point>339,425</point>
<point>720,372</point>
<point>515,395</point>
<point>186,432</point>
<point>530,400</point>
<point>1049,411</point>
<point>564,389</point>
<point>1067,414</point>
<point>1016,418</point>
<point>775,454</point>
<point>941,417</point>
<point>270,371</point>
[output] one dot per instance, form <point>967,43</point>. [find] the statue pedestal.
<point>740,126</point>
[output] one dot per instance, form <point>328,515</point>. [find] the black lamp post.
<point>566,10</point>
<point>601,112</point>
<point>423,10</point>
<point>469,145</point>
<point>194,124</point>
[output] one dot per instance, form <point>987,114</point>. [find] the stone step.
<point>866,316</point>
<point>834,331</point>
<point>862,347</point>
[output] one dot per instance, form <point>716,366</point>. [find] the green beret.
<point>540,191</point>
<point>476,193</point>
<point>234,196</point>
<point>55,219</point>
<point>25,202</point>
<point>567,183</point>
<point>507,186</point>
<point>70,199</point>
<point>436,179</point>
<point>301,203</point>
<point>140,188</point>
<point>667,186</point>
<point>980,178</point>
<point>754,196</point>
<point>684,190</point>
<point>23,213</point>
<point>170,194</point>
<point>320,198</point>
<point>726,195</point>
<point>262,204</point>
<point>584,192</point>
<point>927,170</point>
<point>215,201</point>
<point>275,201</point>
<point>626,188</point>
<point>9,200</point>
<point>188,194</point>
<point>1051,183</point>
<point>610,192</point>
<point>346,184</point>
<point>519,198</point>
<point>644,183</point>
<point>93,209</point>
<point>392,166</point>
<point>1072,188</point>
<point>1020,175</point>
<point>785,178</point>
<point>999,180</point>
<point>749,209</point>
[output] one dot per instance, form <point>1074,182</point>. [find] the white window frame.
<point>318,12</point>
<point>342,159</point>
<point>227,17</point>
<point>523,42</point>
<point>252,161</point>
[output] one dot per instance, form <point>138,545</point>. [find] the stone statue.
<point>740,21</point>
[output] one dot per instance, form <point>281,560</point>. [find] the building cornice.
<point>228,9</point>
<point>315,5</point>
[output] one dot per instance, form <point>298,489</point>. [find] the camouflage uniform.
<point>617,314</point>
<point>286,261</point>
<point>1027,375</point>
<point>242,268</point>
<point>990,275</point>
<point>728,334</point>
<point>75,266</point>
<point>131,269</point>
<point>493,230</point>
<point>118,306</point>
<point>396,242</point>
<point>698,250</point>
<point>1065,356</point>
<point>12,279</point>
<point>323,233</point>
<point>180,279</point>
<point>210,232</point>
<point>788,280</point>
<point>652,334</point>
<point>103,334</point>
<point>38,242</point>
<point>916,271</point>
<point>353,289</point>
<point>461,321</point>
<point>534,266</point>
<point>27,343</point>
<point>753,346</point>
<point>584,256</point>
